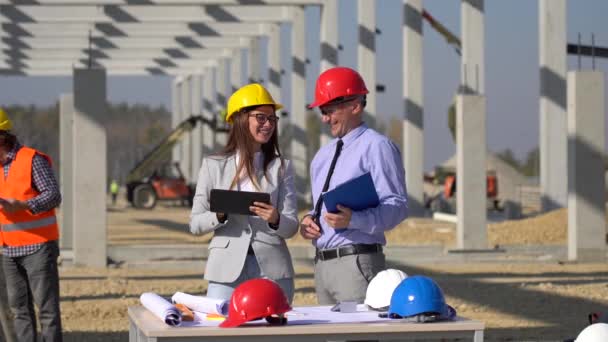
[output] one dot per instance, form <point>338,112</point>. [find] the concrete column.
<point>236,67</point>
<point>329,48</point>
<point>586,167</point>
<point>299,142</point>
<point>253,61</point>
<point>197,132</point>
<point>366,54</point>
<point>222,96</point>
<point>208,110</point>
<point>274,62</point>
<point>90,165</point>
<point>175,115</point>
<point>553,142</point>
<point>185,163</point>
<point>471,232</point>
<point>66,170</point>
<point>413,125</point>
<point>472,28</point>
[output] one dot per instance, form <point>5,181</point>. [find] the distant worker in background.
<point>349,243</point>
<point>29,232</point>
<point>246,247</point>
<point>114,190</point>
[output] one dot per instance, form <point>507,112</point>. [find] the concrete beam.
<point>472,27</point>
<point>108,64</point>
<point>141,13</point>
<point>122,42</point>
<point>101,53</point>
<point>299,142</point>
<point>329,48</point>
<point>90,165</point>
<point>119,29</point>
<point>113,72</point>
<point>222,94</point>
<point>253,61</point>
<point>413,125</point>
<point>66,167</point>
<point>209,108</point>
<point>197,132</point>
<point>159,2</point>
<point>366,55</point>
<point>586,167</point>
<point>471,230</point>
<point>274,62</point>
<point>176,107</point>
<point>186,143</point>
<point>553,141</point>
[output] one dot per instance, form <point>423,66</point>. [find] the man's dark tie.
<point>327,179</point>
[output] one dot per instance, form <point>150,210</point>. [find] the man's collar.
<point>13,152</point>
<point>354,134</point>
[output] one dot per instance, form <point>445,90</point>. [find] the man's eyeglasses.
<point>336,104</point>
<point>262,118</point>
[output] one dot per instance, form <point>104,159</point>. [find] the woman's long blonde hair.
<point>241,141</point>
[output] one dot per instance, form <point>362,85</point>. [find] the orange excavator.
<point>155,179</point>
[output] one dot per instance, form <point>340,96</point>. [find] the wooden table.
<point>145,327</point>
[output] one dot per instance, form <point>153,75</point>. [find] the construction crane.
<point>153,178</point>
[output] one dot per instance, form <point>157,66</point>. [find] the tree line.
<point>131,132</point>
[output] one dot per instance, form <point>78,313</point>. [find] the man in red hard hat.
<point>349,243</point>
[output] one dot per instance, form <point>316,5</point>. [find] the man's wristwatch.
<point>222,217</point>
<point>273,225</point>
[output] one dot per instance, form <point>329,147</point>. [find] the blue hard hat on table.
<point>418,295</point>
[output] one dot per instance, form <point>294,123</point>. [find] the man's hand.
<point>11,205</point>
<point>339,220</point>
<point>309,229</point>
<point>266,212</point>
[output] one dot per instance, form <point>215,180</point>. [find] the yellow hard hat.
<point>253,94</point>
<point>5,122</point>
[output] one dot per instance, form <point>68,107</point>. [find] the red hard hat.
<point>337,82</point>
<point>255,299</point>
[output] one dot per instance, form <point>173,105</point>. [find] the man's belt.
<point>328,254</point>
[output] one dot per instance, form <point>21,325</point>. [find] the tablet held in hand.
<point>235,202</point>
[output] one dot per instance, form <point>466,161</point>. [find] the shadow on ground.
<point>166,224</point>
<point>563,317</point>
<point>92,336</point>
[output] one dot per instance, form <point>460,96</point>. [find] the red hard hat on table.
<point>255,299</point>
<point>337,82</point>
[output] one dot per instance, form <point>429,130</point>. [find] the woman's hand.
<point>266,212</point>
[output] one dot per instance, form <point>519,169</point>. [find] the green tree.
<point>508,157</point>
<point>531,166</point>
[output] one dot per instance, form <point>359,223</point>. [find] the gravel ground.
<point>531,302</point>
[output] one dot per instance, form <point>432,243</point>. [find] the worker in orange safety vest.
<point>29,195</point>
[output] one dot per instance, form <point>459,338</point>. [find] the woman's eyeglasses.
<point>262,118</point>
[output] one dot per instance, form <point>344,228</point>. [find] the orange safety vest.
<point>24,228</point>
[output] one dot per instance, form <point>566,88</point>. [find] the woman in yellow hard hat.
<point>5,122</point>
<point>248,246</point>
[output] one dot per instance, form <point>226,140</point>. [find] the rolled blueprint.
<point>201,303</point>
<point>161,308</point>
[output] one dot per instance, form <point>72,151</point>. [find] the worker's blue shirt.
<point>364,150</point>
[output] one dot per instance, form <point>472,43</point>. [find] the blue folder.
<point>357,194</point>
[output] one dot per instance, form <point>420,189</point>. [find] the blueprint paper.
<point>201,303</point>
<point>161,308</point>
<point>303,315</point>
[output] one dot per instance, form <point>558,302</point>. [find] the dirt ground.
<point>517,302</point>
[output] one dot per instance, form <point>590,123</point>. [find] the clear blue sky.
<point>512,77</point>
